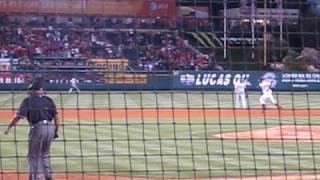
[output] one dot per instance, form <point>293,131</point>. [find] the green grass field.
<point>170,147</point>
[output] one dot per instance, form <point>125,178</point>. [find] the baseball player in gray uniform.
<point>40,111</point>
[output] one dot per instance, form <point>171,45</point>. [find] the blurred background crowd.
<point>196,39</point>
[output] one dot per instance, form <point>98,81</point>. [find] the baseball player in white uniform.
<point>240,93</point>
<point>74,85</point>
<point>266,88</point>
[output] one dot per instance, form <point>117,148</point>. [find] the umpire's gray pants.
<point>40,137</point>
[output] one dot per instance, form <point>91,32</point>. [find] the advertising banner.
<point>154,8</point>
<point>223,80</point>
<point>118,64</point>
<point>14,78</point>
<point>148,8</point>
<point>126,78</point>
<point>178,80</point>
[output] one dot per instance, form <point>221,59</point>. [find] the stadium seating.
<point>108,37</point>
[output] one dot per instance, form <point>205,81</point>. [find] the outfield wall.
<point>223,80</point>
<point>177,80</point>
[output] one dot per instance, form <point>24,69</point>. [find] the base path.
<point>181,113</point>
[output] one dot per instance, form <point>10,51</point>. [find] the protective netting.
<point>156,85</point>
<point>172,134</point>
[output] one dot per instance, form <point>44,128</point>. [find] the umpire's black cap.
<point>35,85</point>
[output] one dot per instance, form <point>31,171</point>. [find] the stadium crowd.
<point>149,43</point>
<point>25,38</point>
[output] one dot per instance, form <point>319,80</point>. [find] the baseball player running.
<point>39,110</point>
<point>266,87</point>
<point>74,85</point>
<point>240,93</point>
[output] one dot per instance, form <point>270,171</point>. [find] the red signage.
<point>166,8</point>
<point>150,8</point>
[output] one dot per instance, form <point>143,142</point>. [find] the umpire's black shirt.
<point>37,108</point>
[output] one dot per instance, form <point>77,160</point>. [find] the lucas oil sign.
<point>224,80</point>
<point>211,79</point>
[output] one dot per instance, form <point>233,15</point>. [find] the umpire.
<point>40,111</point>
